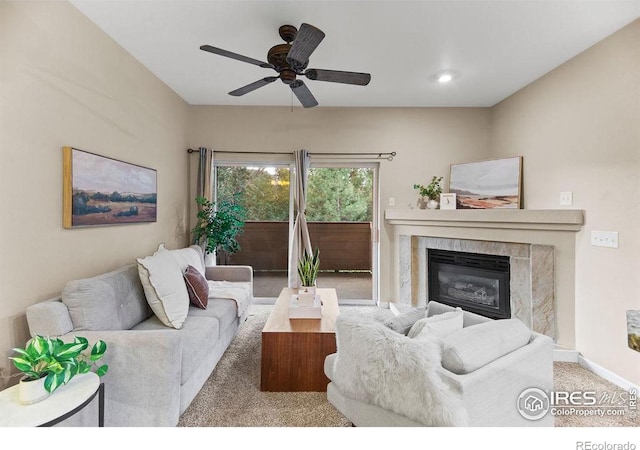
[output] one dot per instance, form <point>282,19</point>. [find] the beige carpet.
<point>231,397</point>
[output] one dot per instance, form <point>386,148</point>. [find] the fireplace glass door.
<point>476,283</point>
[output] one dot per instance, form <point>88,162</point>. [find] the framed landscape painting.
<point>102,191</point>
<point>487,184</point>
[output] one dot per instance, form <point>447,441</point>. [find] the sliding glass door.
<point>264,190</point>
<point>342,213</point>
<point>342,217</point>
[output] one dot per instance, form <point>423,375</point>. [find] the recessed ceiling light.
<point>445,76</point>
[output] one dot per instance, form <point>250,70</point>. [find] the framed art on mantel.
<point>487,184</point>
<point>103,191</point>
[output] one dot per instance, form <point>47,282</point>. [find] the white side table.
<point>62,404</point>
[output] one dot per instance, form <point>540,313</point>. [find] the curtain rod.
<point>387,156</point>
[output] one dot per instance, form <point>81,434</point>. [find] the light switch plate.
<point>566,198</point>
<point>604,239</point>
<point>392,201</point>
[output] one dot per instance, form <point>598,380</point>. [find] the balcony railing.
<point>344,246</point>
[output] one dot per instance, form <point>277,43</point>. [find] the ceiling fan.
<point>290,60</point>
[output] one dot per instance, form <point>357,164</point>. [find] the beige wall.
<point>426,140</point>
<point>578,129</point>
<point>63,82</point>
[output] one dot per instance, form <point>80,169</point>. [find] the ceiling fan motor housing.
<point>277,57</point>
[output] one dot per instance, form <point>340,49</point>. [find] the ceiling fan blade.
<point>338,76</point>
<point>253,86</point>
<point>304,94</point>
<point>307,40</point>
<point>228,54</point>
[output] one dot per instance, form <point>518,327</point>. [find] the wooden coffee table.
<point>293,350</point>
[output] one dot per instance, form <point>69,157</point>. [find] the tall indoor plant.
<point>48,363</point>
<point>218,227</point>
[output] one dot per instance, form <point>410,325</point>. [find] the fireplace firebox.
<point>475,282</point>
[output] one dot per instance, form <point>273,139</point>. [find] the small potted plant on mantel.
<point>48,363</point>
<point>429,194</point>
<point>308,267</point>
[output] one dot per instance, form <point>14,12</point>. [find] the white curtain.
<point>299,239</point>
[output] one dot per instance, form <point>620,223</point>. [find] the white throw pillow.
<point>164,288</point>
<point>478,345</point>
<point>437,326</point>
<point>403,322</point>
<point>185,257</point>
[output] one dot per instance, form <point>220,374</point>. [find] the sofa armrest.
<point>142,385</point>
<point>229,273</point>
<point>490,393</point>
<point>49,318</point>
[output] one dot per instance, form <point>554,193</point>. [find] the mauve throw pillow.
<point>197,287</point>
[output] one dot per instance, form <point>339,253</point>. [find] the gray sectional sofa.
<point>155,371</point>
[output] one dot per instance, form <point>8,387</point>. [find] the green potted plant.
<point>48,363</point>
<point>217,229</point>
<point>308,267</point>
<point>430,194</point>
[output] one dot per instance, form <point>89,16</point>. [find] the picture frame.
<point>448,201</point>
<point>489,184</point>
<point>633,329</point>
<point>98,191</point>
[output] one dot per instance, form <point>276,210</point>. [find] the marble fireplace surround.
<point>540,245</point>
<point>531,273</point>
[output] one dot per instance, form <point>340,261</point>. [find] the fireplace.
<point>475,282</point>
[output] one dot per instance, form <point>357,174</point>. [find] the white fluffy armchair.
<point>437,377</point>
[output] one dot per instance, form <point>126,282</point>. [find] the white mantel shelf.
<point>520,219</point>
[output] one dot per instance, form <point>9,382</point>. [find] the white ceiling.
<point>497,47</point>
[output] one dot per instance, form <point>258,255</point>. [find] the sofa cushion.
<point>403,322</point>
<point>111,301</point>
<point>437,326</point>
<point>473,347</point>
<point>198,335</point>
<point>164,288</point>
<point>185,257</point>
<point>222,309</point>
<point>469,318</point>
<point>197,287</point>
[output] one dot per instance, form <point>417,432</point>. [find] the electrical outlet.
<point>566,198</point>
<point>392,201</point>
<point>604,239</point>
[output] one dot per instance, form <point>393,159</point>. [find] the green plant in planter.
<point>308,267</point>
<point>218,228</point>
<point>432,191</point>
<point>58,361</point>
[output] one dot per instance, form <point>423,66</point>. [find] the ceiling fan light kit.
<point>290,61</point>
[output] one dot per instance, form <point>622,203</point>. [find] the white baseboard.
<point>564,355</point>
<point>606,374</point>
<point>574,356</point>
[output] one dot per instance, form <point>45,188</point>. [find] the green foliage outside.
<point>333,194</point>
<point>340,195</point>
